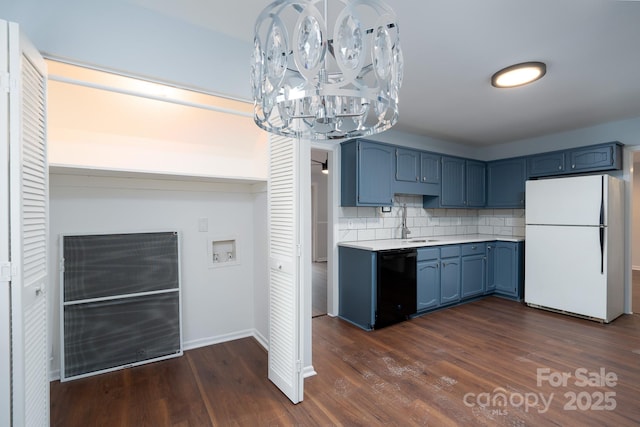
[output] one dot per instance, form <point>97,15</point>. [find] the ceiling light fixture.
<point>317,81</point>
<point>519,74</point>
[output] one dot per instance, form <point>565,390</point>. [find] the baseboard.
<point>308,371</point>
<point>261,339</point>
<point>190,345</point>
<point>54,375</point>
<point>635,267</point>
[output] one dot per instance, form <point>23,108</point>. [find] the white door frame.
<point>5,273</point>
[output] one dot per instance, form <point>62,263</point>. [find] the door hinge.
<point>298,366</point>
<point>299,250</point>
<point>6,272</point>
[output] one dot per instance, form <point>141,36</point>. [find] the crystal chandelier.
<point>314,81</point>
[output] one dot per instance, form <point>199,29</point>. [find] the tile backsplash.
<point>368,223</point>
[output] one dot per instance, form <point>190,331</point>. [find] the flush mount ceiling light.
<point>519,74</point>
<point>321,80</point>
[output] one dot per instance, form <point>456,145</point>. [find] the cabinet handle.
<point>489,248</point>
<point>573,166</point>
<point>417,178</point>
<point>474,247</point>
<point>559,167</point>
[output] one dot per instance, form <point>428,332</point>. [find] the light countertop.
<point>418,242</point>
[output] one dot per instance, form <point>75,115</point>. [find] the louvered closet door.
<point>28,217</point>
<point>285,343</point>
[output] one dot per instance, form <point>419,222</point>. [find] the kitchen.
<point>623,130</point>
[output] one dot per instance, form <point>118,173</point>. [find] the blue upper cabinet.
<point>416,172</point>
<point>430,168</point>
<point>462,184</point>
<point>407,165</point>
<point>505,183</point>
<point>452,193</point>
<point>597,158</point>
<point>546,164</point>
<point>475,184</point>
<point>367,173</point>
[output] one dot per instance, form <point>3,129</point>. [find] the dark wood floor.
<point>440,369</point>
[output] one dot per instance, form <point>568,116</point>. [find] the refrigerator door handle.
<point>602,249</point>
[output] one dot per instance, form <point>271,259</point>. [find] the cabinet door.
<point>505,183</point>
<point>546,164</point>
<point>453,181</point>
<point>473,275</point>
<point>598,158</point>
<point>505,275</point>
<point>430,168</point>
<point>475,183</point>
<point>428,292</point>
<point>375,171</point>
<point>450,280</point>
<point>407,165</point>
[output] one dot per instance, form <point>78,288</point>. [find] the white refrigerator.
<point>574,257</point>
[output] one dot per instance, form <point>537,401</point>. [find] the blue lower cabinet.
<point>449,274</point>
<point>428,279</point>
<point>357,286</point>
<point>507,277</point>
<point>445,275</point>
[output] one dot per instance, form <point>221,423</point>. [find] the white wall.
<point>260,264</point>
<point>123,36</point>
<point>635,215</point>
<point>218,303</point>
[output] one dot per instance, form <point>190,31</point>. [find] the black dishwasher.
<point>396,286</point>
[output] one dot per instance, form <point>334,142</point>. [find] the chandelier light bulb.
<point>326,79</point>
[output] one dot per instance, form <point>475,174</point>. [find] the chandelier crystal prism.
<point>314,81</point>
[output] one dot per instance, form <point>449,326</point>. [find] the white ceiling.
<point>452,47</point>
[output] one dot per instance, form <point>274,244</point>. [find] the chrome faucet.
<point>405,230</point>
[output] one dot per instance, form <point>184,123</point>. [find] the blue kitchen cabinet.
<point>490,281</point>
<point>407,165</point>
<point>546,164</point>
<point>367,173</point>
<point>473,270</point>
<point>507,275</point>
<point>475,184</point>
<point>462,184</point>
<point>358,279</point>
<point>505,183</point>
<point>428,279</point>
<point>452,182</point>
<point>595,158</point>
<point>449,274</point>
<point>430,173</point>
<point>416,172</point>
